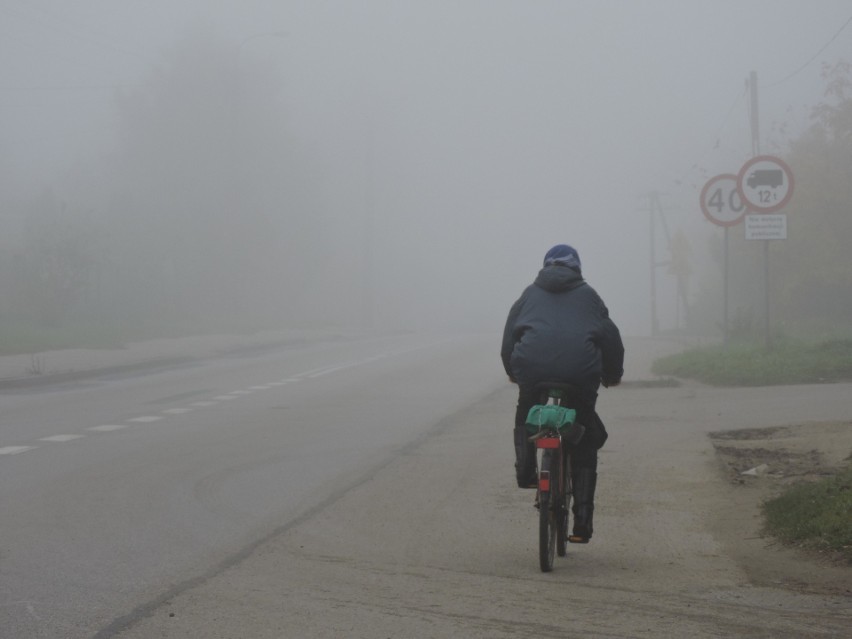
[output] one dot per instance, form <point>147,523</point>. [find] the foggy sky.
<point>464,137</point>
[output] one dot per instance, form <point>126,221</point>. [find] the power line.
<point>736,102</point>
<point>696,167</point>
<point>743,93</point>
<point>814,57</point>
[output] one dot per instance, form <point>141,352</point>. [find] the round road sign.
<point>765,184</point>
<point>720,200</point>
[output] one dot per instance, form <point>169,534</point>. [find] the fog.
<point>379,163</point>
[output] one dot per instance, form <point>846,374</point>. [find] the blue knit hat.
<point>563,255</point>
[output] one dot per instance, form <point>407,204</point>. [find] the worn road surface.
<point>436,541</point>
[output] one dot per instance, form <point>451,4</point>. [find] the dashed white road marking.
<point>14,450</point>
<point>317,372</point>
<point>60,438</point>
<point>331,369</point>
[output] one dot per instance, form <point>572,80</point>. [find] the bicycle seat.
<point>562,391</point>
<point>563,386</point>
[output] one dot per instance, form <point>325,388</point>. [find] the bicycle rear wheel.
<point>561,506</point>
<point>547,524</point>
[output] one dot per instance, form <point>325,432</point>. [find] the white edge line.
<point>14,450</point>
<point>60,438</point>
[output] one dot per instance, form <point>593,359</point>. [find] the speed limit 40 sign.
<point>721,202</point>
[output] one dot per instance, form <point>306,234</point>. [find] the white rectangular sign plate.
<point>766,226</point>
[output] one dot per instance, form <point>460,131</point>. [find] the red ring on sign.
<point>778,205</point>
<point>707,186</point>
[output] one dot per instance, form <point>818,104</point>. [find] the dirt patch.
<point>784,453</point>
<point>761,462</point>
<point>744,463</point>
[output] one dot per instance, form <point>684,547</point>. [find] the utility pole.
<point>368,252</point>
<point>655,326</point>
<point>755,151</point>
<point>654,208</point>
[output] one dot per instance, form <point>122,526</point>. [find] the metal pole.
<point>755,151</point>
<point>755,121</point>
<point>654,323</point>
<point>369,285</point>
<point>766,327</point>
<point>725,292</point>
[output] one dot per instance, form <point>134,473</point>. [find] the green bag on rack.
<point>543,416</point>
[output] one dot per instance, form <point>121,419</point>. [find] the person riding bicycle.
<point>559,330</point>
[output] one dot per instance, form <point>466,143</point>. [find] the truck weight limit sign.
<point>720,200</point>
<point>765,184</point>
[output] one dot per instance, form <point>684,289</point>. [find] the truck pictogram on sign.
<point>765,177</point>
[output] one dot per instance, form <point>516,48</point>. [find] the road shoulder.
<point>755,465</point>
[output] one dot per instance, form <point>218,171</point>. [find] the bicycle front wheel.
<point>547,518</point>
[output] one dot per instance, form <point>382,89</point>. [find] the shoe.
<point>585,481</point>
<point>580,536</point>
<point>525,478</point>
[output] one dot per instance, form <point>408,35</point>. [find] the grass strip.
<point>815,515</point>
<point>788,362</point>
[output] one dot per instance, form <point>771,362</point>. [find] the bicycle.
<point>555,429</point>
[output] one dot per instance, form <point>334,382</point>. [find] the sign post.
<point>722,205</point>
<point>765,185</point>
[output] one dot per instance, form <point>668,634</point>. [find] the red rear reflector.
<point>547,442</point>
<point>544,481</point>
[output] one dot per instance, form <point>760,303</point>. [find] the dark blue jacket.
<point>559,330</point>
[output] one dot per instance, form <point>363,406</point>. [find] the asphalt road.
<point>364,488</point>
<point>439,543</point>
<point>115,490</point>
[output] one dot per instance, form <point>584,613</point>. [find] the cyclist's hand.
<point>609,383</point>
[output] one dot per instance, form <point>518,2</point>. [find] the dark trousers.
<point>585,453</point>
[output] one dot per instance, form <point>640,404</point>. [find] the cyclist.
<point>559,330</point>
